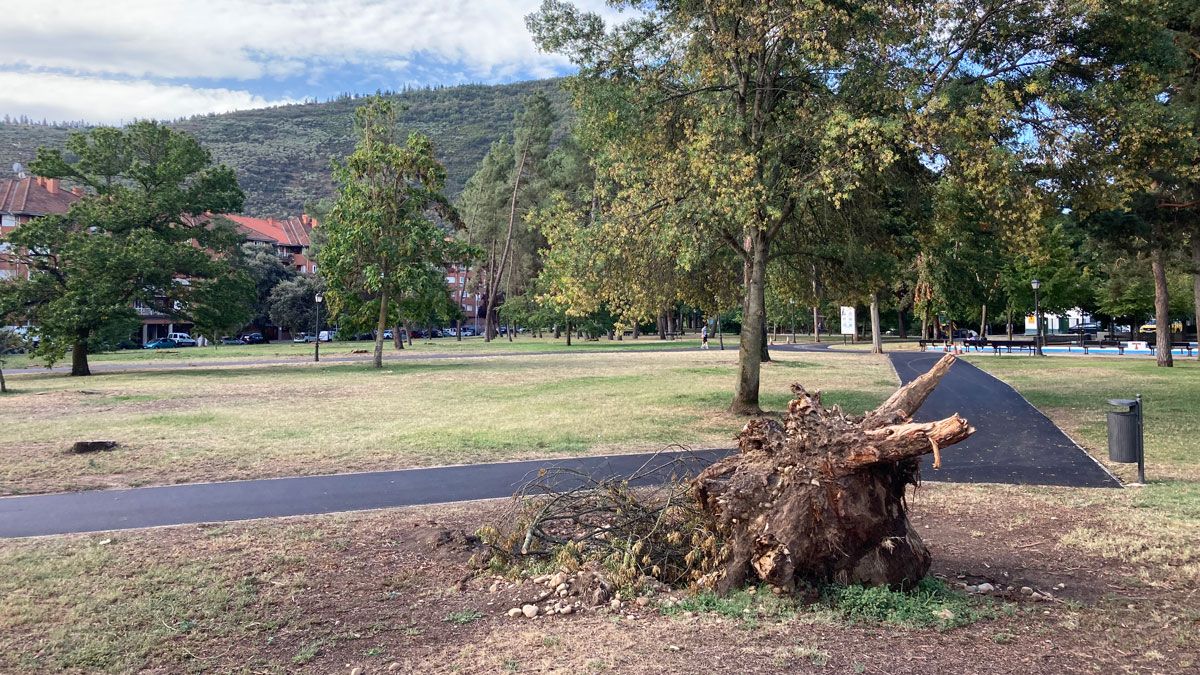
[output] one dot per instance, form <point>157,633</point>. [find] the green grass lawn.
<point>194,424</point>
<point>1159,523</point>
<point>286,350</point>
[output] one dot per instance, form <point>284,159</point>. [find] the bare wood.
<point>908,399</point>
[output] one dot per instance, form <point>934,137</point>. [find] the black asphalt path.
<point>1014,443</point>
<point>101,510</point>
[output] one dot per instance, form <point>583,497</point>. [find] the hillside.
<point>282,155</point>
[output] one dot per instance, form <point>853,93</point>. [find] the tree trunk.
<point>458,329</point>
<point>816,324</point>
<point>637,330</point>
<point>3,384</point>
<point>876,336</point>
<point>983,321</point>
<point>820,498</point>
<point>568,333</point>
<point>900,322</point>
<point>1162,309</point>
<point>1196,283</point>
<point>750,348</point>
<point>79,359</point>
<point>408,333</point>
<point>380,326</point>
<point>397,337</point>
<point>508,238</point>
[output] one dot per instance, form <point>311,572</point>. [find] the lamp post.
<point>792,303</point>
<point>1037,317</point>
<point>317,344</point>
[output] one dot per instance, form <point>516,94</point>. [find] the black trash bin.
<point>1123,436</point>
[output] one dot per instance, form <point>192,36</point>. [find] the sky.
<point>118,60</point>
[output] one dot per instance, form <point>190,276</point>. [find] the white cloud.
<point>100,100</point>
<point>251,39</point>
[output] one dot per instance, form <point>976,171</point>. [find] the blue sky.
<point>110,62</point>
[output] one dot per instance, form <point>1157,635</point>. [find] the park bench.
<point>978,344</point>
<point>1187,346</point>
<point>934,343</point>
<point>1009,345</point>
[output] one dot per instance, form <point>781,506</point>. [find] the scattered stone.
<point>615,604</point>
<point>563,593</point>
<point>557,580</point>
<point>514,612</point>
<point>356,671</point>
<point>672,648</point>
<point>394,666</point>
<point>1059,587</point>
<point>642,601</point>
<point>542,579</point>
<point>529,611</point>
<point>567,610</point>
<point>81,447</point>
<point>1025,590</point>
<point>494,587</point>
<point>985,588</point>
<point>946,615</point>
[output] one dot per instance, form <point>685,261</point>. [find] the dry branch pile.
<point>818,498</point>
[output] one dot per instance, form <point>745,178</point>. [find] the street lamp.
<point>1037,317</point>
<point>317,344</point>
<point>792,304</point>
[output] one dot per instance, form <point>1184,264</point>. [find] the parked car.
<point>1152,324</point>
<point>182,339</point>
<point>227,340</point>
<point>304,337</point>
<point>254,339</point>
<point>387,334</point>
<point>468,331</point>
<point>325,336</point>
<point>161,343</point>
<point>1087,328</point>
<point>450,332</point>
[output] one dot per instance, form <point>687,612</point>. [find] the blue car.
<point>161,343</point>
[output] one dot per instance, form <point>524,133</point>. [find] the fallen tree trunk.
<point>820,498</point>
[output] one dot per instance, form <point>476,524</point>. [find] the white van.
<point>182,339</point>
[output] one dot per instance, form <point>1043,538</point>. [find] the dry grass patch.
<point>196,424</point>
<point>331,593</point>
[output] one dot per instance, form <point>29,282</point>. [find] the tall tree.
<point>390,220</point>
<point>735,118</point>
<point>510,181</point>
<point>142,235</point>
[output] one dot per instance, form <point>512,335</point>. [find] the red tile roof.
<point>291,231</point>
<point>34,196</point>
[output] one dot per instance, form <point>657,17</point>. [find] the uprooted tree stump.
<point>820,498</point>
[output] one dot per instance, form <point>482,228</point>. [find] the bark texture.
<point>820,497</point>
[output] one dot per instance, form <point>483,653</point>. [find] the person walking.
<point>704,337</point>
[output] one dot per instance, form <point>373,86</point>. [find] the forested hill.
<point>282,155</point>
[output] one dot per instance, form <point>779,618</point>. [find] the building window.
<point>8,221</point>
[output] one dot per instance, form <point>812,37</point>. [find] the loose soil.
<point>329,594</point>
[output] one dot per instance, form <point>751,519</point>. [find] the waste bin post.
<point>1141,442</point>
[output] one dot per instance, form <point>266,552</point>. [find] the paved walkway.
<point>99,510</point>
<point>1014,443</point>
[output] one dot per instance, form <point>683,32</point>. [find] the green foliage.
<point>385,231</point>
<point>266,269</point>
<point>292,304</point>
<point>930,605</point>
<point>142,235</point>
<point>463,617</point>
<point>282,154</point>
